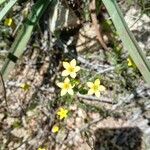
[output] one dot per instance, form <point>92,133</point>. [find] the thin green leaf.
<point>23,37</point>
<point>2,1</point>
<point>128,40</point>
<point>6,9</point>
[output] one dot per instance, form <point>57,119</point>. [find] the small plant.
<point>70,87</point>
<point>66,87</point>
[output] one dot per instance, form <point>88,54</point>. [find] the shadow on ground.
<point>129,138</point>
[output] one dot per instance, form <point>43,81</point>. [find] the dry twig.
<point>92,98</point>
<point>96,25</point>
<point>3,88</point>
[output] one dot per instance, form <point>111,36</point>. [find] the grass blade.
<point>23,37</point>
<point>2,1</point>
<point>128,40</point>
<point>6,8</point>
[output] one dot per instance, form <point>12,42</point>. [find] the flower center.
<point>71,69</point>
<point>96,87</point>
<point>66,86</point>
<point>63,113</point>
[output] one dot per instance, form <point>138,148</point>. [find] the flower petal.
<point>77,68</point>
<point>67,80</point>
<point>65,73</point>
<point>59,111</point>
<point>60,84</point>
<point>66,111</point>
<point>90,84</point>
<point>70,91</point>
<point>97,93</point>
<point>73,75</point>
<point>61,117</point>
<point>73,62</point>
<point>63,92</point>
<point>66,65</point>
<point>97,82</point>
<point>90,92</point>
<point>102,88</point>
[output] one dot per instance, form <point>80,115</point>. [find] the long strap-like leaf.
<point>23,37</point>
<point>128,39</point>
<point>6,8</point>
<point>2,1</point>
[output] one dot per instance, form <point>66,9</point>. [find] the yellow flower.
<point>55,129</point>
<point>131,63</point>
<point>25,86</point>
<point>70,68</point>
<point>66,87</point>
<point>8,22</point>
<point>41,149</point>
<point>95,88</point>
<point>62,113</point>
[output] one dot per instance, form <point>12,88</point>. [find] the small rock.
<point>22,147</point>
<point>79,122</point>
<point>81,113</point>
<point>63,147</point>
<point>70,137</point>
<point>20,133</point>
<point>84,146</point>
<point>10,121</point>
<point>70,143</point>
<point>16,145</point>
<point>94,115</point>
<point>77,139</point>
<point>1,116</point>
<point>61,136</point>
<point>10,145</point>
<point>30,113</point>
<point>70,123</point>
<point>73,107</point>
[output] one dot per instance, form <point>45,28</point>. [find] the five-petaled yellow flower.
<point>8,22</point>
<point>70,68</point>
<point>55,129</point>
<point>66,87</point>
<point>62,113</point>
<point>25,86</point>
<point>95,88</point>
